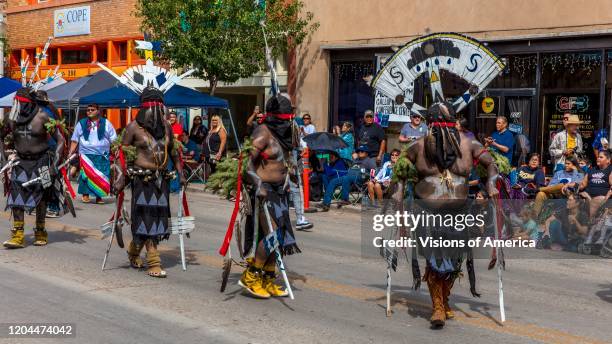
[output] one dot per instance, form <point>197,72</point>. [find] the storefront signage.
<point>385,107</point>
<point>488,107</point>
<point>572,103</point>
<point>72,21</point>
<point>586,106</point>
<point>488,104</point>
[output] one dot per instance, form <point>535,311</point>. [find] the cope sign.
<point>72,21</point>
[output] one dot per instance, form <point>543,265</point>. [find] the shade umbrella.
<point>324,141</point>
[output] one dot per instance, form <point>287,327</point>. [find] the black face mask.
<point>152,120</point>
<point>282,131</point>
<point>24,110</point>
<point>151,115</point>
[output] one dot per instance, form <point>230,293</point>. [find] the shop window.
<point>102,52</point>
<point>122,50</point>
<point>52,56</point>
<point>564,71</point>
<point>571,84</point>
<point>520,72</point>
<point>352,96</point>
<point>76,56</point>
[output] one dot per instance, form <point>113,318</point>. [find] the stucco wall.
<point>355,23</point>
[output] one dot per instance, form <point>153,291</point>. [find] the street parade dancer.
<point>443,168</point>
<point>149,178</point>
<point>443,159</point>
<point>34,180</point>
<point>267,174</point>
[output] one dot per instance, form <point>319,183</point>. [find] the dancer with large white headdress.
<point>151,136</point>
<point>444,157</point>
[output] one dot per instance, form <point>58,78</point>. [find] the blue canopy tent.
<point>8,86</point>
<point>121,97</point>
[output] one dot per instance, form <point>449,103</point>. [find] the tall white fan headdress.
<point>463,56</point>
<point>138,78</point>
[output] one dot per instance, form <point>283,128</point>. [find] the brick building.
<point>84,31</point>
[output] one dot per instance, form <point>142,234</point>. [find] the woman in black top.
<point>597,184</point>
<point>198,131</point>
<point>214,145</point>
<point>530,179</point>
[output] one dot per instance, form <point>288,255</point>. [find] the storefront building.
<point>83,32</point>
<point>557,61</point>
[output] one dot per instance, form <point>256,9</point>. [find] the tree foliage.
<point>223,39</point>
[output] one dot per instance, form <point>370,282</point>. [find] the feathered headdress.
<point>138,78</point>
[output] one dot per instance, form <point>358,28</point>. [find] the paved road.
<point>339,294</point>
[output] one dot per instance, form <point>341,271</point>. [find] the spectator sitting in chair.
<point>530,179</point>
<point>362,165</point>
<point>191,150</point>
<point>502,140</point>
<point>382,180</point>
<point>597,184</point>
<point>561,178</point>
<point>585,164</point>
<point>333,169</point>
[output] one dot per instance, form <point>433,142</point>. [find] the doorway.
<point>517,105</point>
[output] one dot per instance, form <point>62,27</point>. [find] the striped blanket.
<point>95,175</point>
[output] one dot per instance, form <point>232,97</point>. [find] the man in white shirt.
<point>93,136</point>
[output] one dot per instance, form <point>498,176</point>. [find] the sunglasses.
<point>92,110</point>
<point>306,118</point>
<point>394,154</point>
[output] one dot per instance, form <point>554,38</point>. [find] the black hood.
<point>152,112</point>
<point>25,106</point>
<point>279,120</point>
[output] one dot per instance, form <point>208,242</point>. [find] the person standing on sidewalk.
<point>301,223</point>
<point>93,136</point>
<point>372,136</point>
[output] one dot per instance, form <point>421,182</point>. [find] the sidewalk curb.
<point>312,210</point>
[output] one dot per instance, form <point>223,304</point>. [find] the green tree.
<point>223,39</point>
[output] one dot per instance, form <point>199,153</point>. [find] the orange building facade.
<point>105,32</point>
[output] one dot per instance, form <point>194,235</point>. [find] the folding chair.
<point>194,169</point>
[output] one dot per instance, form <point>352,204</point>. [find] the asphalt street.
<point>340,295</point>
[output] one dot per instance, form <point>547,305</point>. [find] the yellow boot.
<point>133,252</point>
<point>269,277</point>
<point>40,237</point>
<point>17,239</point>
<point>251,281</point>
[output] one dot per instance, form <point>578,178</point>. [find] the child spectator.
<point>382,178</point>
